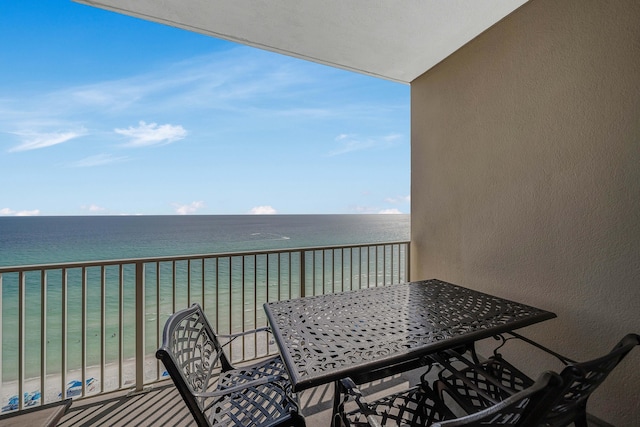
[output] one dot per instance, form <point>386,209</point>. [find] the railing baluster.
<point>1,338</point>
<point>255,304</point>
<point>360,268</point>
<point>43,332</point>
<point>21,336</point>
<point>375,257</point>
<point>408,261</point>
<point>324,284</point>
<point>230,304</point>
<point>384,265</point>
<point>268,283</point>
<point>140,324</point>
<point>202,278</point>
<point>289,261</point>
<point>188,283</point>
<point>342,268</point>
<point>217,293</point>
<point>83,330</point>
<point>103,325</point>
<point>368,266</point>
<point>63,376</point>
<point>303,273</point>
<point>333,270</point>
<point>121,324</point>
<point>313,270</point>
<point>392,275</point>
<point>173,286</point>
<point>279,275</point>
<point>243,302</point>
<point>158,312</point>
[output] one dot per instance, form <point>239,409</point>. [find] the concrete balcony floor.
<point>161,405</point>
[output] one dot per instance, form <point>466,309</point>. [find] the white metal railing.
<point>84,328</point>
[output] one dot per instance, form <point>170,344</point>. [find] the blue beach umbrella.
<point>34,397</point>
<point>74,387</point>
<point>13,402</point>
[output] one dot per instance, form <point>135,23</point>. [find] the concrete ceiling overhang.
<point>390,39</point>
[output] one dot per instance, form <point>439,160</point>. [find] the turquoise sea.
<point>39,240</point>
<point>46,240</point>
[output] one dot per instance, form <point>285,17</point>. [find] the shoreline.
<point>236,351</point>
<point>53,382</point>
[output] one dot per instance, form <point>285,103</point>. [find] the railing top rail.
<point>98,263</point>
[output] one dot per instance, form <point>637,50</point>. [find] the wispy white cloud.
<point>399,199</point>
<point>263,210</point>
<point>375,210</point>
<point>11,212</point>
<point>363,209</point>
<point>33,140</point>
<point>350,143</point>
<point>188,209</point>
<point>241,80</point>
<point>224,80</point>
<point>152,134</point>
<point>390,212</point>
<point>344,136</point>
<point>98,160</point>
<point>93,208</point>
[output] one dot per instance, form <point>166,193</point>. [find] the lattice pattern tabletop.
<point>328,337</point>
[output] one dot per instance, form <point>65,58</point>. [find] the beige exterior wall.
<point>526,178</point>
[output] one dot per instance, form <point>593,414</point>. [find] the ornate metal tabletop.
<point>328,337</point>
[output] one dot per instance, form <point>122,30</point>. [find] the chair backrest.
<point>190,352</point>
<point>582,379</point>
<point>523,409</point>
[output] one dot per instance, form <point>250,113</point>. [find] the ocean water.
<point>46,240</point>
<point>39,240</point>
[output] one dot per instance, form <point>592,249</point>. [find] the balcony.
<point>160,404</point>
<point>89,330</point>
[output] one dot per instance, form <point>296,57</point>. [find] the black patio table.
<point>372,333</point>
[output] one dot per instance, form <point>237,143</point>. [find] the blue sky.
<point>106,114</point>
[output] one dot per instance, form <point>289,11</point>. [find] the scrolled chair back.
<point>192,353</point>
<point>582,379</point>
<point>524,409</point>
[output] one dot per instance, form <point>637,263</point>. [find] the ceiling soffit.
<point>394,40</point>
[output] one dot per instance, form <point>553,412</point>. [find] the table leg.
<point>336,402</point>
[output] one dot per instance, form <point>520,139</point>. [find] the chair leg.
<point>338,421</point>
<point>298,420</point>
<point>581,419</point>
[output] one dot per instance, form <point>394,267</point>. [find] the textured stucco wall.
<point>526,178</point>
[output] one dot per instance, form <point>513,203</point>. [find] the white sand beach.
<point>111,382</point>
<point>53,382</point>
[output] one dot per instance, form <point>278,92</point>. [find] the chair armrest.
<point>240,387</point>
<point>446,364</point>
<point>239,334</point>
<point>231,337</point>
<point>514,335</point>
<point>349,388</point>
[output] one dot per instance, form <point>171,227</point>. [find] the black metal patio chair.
<point>215,392</point>
<point>476,386</point>
<point>420,406</point>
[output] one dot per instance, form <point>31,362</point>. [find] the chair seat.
<point>241,375</point>
<point>417,406</point>
<point>421,406</point>
<point>255,405</point>
<point>495,378</point>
